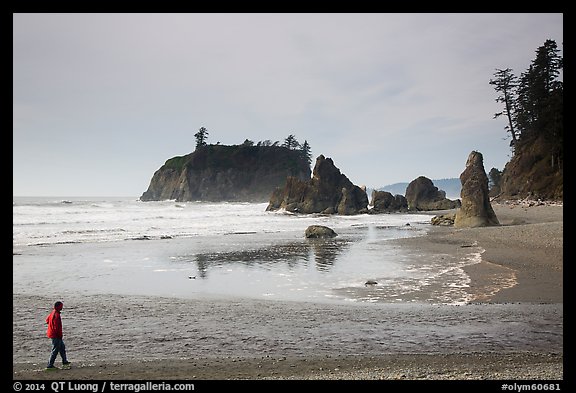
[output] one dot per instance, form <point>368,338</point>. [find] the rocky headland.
<point>534,172</point>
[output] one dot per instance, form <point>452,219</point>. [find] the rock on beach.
<point>319,231</point>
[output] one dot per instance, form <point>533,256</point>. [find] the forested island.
<point>248,172</point>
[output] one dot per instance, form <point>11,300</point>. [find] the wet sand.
<point>522,259</point>
<point>512,330</point>
<point>396,367</point>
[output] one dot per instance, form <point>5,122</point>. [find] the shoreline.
<point>233,339</point>
<point>521,260</point>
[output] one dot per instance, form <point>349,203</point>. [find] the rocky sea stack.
<point>421,195</point>
<point>218,173</point>
<point>328,192</point>
<point>385,202</point>
<point>476,210</point>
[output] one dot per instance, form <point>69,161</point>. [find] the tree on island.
<point>306,151</point>
<point>201,137</point>
<point>291,143</point>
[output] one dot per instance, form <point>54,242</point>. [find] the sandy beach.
<point>511,330</point>
<point>526,250</point>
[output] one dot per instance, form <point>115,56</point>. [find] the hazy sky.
<point>101,101</point>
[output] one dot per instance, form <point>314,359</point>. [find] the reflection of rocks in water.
<point>285,252</point>
<point>202,267</point>
<point>322,251</point>
<point>325,252</point>
<point>292,254</point>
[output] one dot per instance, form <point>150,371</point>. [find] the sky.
<point>101,101</point>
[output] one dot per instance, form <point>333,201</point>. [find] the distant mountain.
<point>451,186</point>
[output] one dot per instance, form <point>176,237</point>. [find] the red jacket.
<point>54,325</point>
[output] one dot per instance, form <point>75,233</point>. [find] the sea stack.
<point>328,192</point>
<point>475,210</point>
<point>422,195</point>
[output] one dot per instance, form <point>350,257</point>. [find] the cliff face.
<point>227,173</point>
<point>533,173</point>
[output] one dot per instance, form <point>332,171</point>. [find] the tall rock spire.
<point>476,210</point>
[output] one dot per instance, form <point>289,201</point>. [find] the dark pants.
<point>58,347</point>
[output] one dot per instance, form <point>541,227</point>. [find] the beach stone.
<point>443,219</point>
<point>475,210</point>
<point>319,231</point>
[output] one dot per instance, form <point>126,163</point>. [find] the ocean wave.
<point>47,220</point>
<point>87,231</point>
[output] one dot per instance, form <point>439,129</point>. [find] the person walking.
<point>54,332</point>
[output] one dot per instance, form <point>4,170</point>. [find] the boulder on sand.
<point>319,232</point>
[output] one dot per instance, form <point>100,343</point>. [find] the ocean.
<point>122,246</point>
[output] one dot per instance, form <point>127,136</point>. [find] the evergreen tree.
<point>540,102</point>
<point>538,93</point>
<point>201,137</point>
<point>306,152</point>
<point>291,143</point>
<point>534,103</point>
<point>506,84</point>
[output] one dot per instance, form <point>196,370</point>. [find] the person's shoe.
<point>66,363</point>
<point>51,368</point>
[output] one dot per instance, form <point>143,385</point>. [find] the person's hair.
<point>58,304</point>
